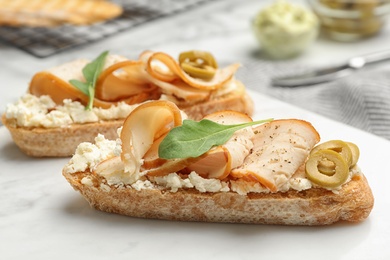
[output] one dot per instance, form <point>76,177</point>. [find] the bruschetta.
<point>71,103</point>
<point>223,168</point>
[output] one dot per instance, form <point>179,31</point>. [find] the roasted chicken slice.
<point>280,148</point>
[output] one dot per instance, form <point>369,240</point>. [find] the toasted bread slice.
<point>44,13</point>
<point>262,174</point>
<point>316,206</point>
<point>59,141</point>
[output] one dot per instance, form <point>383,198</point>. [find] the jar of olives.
<point>348,20</point>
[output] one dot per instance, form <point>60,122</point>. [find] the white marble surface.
<point>41,217</point>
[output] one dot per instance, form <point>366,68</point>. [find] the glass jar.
<point>349,20</point>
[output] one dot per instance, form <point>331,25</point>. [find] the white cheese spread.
<point>142,185</point>
<point>207,185</point>
<point>174,182</point>
<point>33,111</point>
<point>87,181</point>
<point>88,155</point>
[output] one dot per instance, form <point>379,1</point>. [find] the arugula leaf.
<point>192,139</point>
<point>91,73</point>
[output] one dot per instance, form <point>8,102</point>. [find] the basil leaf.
<point>91,73</point>
<point>82,86</point>
<point>192,139</point>
<point>92,70</point>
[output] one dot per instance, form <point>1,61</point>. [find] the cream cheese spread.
<point>88,155</point>
<point>175,182</point>
<point>33,111</point>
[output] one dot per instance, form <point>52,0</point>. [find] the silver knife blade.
<point>313,77</point>
<point>331,73</point>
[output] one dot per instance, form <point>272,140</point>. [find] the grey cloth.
<point>361,100</point>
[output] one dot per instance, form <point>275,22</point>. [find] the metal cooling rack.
<point>44,42</point>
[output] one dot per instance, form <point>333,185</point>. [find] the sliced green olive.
<point>326,167</point>
<point>200,56</point>
<point>198,64</point>
<point>338,146</point>
<point>328,181</point>
<point>196,71</point>
<point>355,153</point>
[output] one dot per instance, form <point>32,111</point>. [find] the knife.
<point>332,73</point>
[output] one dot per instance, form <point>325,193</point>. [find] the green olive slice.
<point>341,169</point>
<point>326,167</point>
<point>198,64</point>
<point>200,56</point>
<point>355,153</point>
<point>195,71</point>
<point>338,146</point>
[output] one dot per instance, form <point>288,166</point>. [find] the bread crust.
<point>316,206</point>
<point>63,141</point>
<point>58,141</point>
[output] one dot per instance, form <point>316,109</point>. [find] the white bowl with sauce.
<point>284,30</point>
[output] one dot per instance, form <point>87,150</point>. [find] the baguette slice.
<point>259,175</point>
<point>316,206</point>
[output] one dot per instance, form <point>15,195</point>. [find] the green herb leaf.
<point>192,139</point>
<point>82,86</point>
<point>91,73</point>
<point>92,70</point>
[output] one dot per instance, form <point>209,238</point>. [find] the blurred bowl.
<point>349,20</point>
<point>285,30</point>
